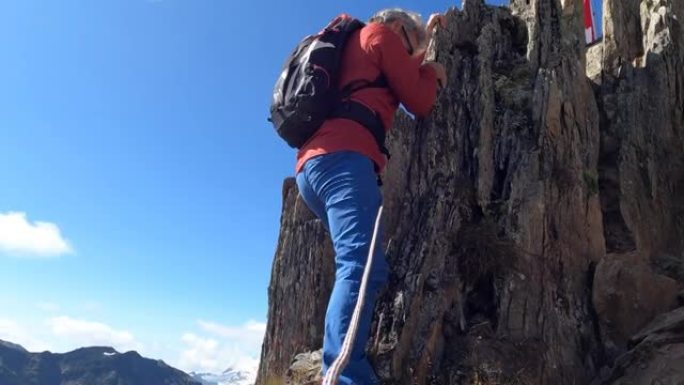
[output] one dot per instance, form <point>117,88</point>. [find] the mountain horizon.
<point>96,365</point>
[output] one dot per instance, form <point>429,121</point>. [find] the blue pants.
<point>341,189</point>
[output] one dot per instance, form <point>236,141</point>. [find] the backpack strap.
<point>359,84</point>
<point>360,113</point>
<point>366,117</point>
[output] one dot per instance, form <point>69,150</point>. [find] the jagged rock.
<point>594,58</point>
<point>627,295</point>
<point>657,356</point>
<point>500,205</point>
<point>641,100</point>
<point>301,281</point>
<point>306,369</point>
<point>622,32</point>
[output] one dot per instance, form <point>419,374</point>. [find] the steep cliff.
<point>534,222</point>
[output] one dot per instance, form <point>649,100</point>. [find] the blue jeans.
<point>341,189</point>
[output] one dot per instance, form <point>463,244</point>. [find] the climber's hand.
<point>435,20</point>
<point>440,71</point>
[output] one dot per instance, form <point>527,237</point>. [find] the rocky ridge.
<point>534,222</point>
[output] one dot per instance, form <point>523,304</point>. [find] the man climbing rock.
<point>337,167</point>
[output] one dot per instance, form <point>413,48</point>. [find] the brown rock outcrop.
<point>657,355</point>
<point>501,205</point>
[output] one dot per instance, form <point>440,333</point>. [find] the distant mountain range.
<point>228,377</point>
<point>100,366</point>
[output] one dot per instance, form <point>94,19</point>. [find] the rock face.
<point>514,210</point>
<point>641,99</point>
<point>301,281</point>
<point>627,295</point>
<point>92,366</point>
<point>657,354</point>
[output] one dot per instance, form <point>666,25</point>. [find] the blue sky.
<point>137,129</point>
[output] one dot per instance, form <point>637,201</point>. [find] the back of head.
<point>411,20</point>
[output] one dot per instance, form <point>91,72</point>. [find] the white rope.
<point>334,371</point>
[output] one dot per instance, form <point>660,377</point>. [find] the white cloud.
<point>211,347</point>
<point>40,239</point>
<point>251,331</point>
<point>225,347</point>
<point>64,334</point>
<point>200,354</point>
<point>13,331</point>
<point>80,333</point>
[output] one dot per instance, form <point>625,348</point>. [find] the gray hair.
<point>411,20</point>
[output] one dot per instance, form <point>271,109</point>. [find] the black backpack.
<point>306,93</point>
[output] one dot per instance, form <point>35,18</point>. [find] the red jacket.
<point>373,50</point>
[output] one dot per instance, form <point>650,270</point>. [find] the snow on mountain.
<point>228,377</point>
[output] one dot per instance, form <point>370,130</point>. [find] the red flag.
<point>589,30</point>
